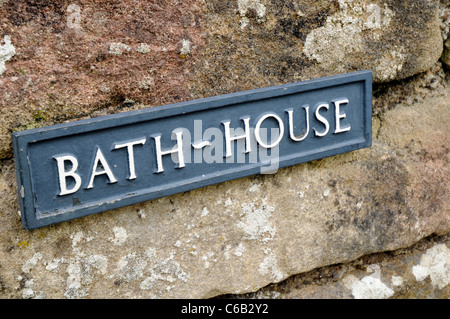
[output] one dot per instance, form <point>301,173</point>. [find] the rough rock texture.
<point>252,231</point>
<point>64,61</point>
<point>76,60</point>
<point>445,27</point>
<point>419,272</point>
<point>267,42</point>
<point>90,58</point>
<point>446,54</point>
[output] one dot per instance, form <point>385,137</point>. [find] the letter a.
<point>100,158</point>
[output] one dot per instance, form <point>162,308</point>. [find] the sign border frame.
<point>22,139</point>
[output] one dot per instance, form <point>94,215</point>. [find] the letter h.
<point>178,149</point>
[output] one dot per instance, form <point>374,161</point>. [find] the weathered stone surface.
<point>419,272</point>
<point>241,235</point>
<point>70,60</point>
<point>445,27</point>
<point>263,42</point>
<point>66,61</point>
<point>79,59</point>
<point>411,90</point>
<point>446,54</point>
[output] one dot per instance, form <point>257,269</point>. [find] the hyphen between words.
<point>70,175</point>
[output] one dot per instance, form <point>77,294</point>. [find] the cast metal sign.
<point>75,169</point>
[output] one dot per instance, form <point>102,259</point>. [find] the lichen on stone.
<point>390,64</point>
<point>256,221</point>
<point>31,263</point>
<point>185,48</point>
<point>371,287</point>
<point>120,236</point>
<point>346,31</point>
<point>117,48</point>
<point>250,9</point>
<point>269,266</point>
<point>143,48</point>
<point>436,264</point>
<point>7,51</point>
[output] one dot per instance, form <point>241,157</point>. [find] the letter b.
<point>63,174</point>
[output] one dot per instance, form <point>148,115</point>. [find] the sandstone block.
<point>239,236</point>
<point>66,61</point>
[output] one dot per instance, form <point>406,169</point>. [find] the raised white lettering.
<point>322,120</point>
<point>130,151</point>
<point>229,139</point>
<point>71,173</point>
<point>258,127</point>
<point>291,125</point>
<point>100,159</point>
<point>178,149</point>
<point>340,116</point>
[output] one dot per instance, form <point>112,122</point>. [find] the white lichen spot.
<point>267,294</point>
<point>390,64</point>
<point>74,19</point>
<point>371,287</point>
<point>7,51</point>
<point>397,281</point>
<point>193,250</point>
<point>444,15</point>
<point>376,18</point>
<point>436,264</point>
<point>254,188</point>
<point>228,202</point>
<point>239,250</point>
<point>99,262</point>
<point>76,238</point>
<point>27,291</point>
<point>269,266</point>
<point>162,271</point>
<point>205,212</point>
<point>143,48</point>
<point>120,236</point>
<point>74,287</point>
<point>31,263</point>
<point>227,252</point>
<point>177,243</point>
<point>147,83</point>
<point>349,280</point>
<point>104,88</point>
<point>256,221</point>
<point>131,267</point>
<point>53,265</point>
<point>244,6</point>
<point>80,270</point>
<point>375,270</point>
<point>344,32</point>
<point>118,48</point>
<point>420,272</point>
<point>205,259</point>
<point>185,47</point>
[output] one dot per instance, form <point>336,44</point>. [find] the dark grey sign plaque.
<point>80,168</point>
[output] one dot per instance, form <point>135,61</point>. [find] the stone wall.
<point>335,218</point>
